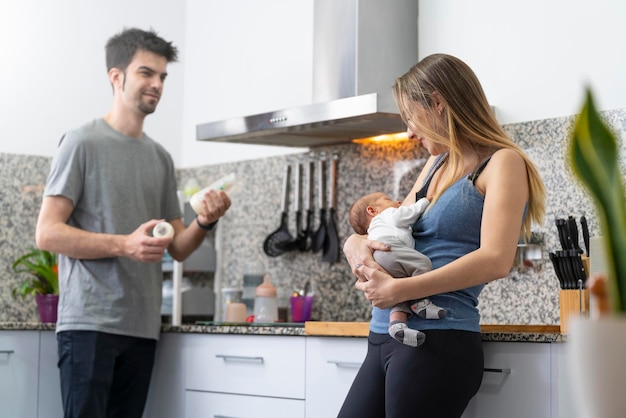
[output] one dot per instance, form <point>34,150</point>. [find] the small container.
<point>252,277</point>
<point>236,312</point>
<point>301,307</point>
<point>229,295</point>
<point>265,304</point>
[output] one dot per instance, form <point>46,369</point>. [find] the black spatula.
<point>320,234</point>
<point>331,243</point>
<point>277,242</point>
<point>308,231</point>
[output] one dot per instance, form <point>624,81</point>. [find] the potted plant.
<point>598,344</point>
<point>42,281</point>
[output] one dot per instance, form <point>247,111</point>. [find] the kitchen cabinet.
<point>19,368</point>
<point>228,375</point>
<point>49,400</point>
<point>166,396</point>
<point>517,382</point>
<point>238,375</point>
<point>331,365</point>
<point>226,405</point>
<point>29,376</point>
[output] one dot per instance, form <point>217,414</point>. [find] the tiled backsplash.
<point>529,295</point>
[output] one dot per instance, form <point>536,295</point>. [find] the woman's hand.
<point>358,251</point>
<point>377,286</point>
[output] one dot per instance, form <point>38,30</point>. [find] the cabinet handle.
<point>492,370</point>
<point>226,357</point>
<point>222,416</point>
<point>346,364</point>
<point>6,353</point>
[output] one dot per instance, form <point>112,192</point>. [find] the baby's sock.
<point>406,335</point>
<point>428,310</point>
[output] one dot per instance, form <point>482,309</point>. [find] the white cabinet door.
<point>50,404</point>
<point>331,365</point>
<point>259,365</point>
<point>19,363</point>
<point>223,405</point>
<point>166,397</point>
<point>516,384</point>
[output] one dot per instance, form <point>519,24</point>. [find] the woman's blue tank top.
<point>449,229</point>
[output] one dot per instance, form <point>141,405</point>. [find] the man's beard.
<point>146,108</point>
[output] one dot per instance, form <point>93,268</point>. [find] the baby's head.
<point>368,206</point>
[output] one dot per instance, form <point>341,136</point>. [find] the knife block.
<point>570,305</point>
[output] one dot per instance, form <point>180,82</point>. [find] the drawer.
<point>19,365</point>
<point>222,405</point>
<point>516,383</point>
<point>331,364</point>
<point>249,365</point>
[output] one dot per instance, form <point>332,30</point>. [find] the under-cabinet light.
<point>381,139</point>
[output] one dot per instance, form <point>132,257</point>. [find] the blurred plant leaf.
<point>595,161</point>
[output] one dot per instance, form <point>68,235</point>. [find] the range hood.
<point>360,48</point>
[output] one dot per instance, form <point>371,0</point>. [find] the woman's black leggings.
<point>436,379</point>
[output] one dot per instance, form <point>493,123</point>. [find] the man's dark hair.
<point>121,48</point>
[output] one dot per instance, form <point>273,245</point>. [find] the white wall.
<point>53,75</point>
<point>249,57</point>
<point>533,57</point>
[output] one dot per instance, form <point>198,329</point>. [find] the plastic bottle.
<point>265,305</point>
<point>253,275</point>
<point>226,183</point>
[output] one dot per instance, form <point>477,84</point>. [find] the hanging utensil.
<point>277,242</point>
<point>331,243</point>
<point>320,234</point>
<point>308,231</point>
<point>300,240</point>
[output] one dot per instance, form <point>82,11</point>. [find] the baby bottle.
<point>265,306</point>
<point>226,183</point>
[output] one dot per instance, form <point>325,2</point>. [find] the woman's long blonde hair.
<point>469,121</point>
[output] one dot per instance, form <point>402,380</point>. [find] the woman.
<point>484,191</point>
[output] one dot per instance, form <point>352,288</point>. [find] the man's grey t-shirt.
<point>116,183</point>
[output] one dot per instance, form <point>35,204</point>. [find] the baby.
<point>386,220</point>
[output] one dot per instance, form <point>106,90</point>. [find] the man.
<point>109,185</point>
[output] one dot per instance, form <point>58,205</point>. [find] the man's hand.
<point>141,246</point>
<point>214,206</point>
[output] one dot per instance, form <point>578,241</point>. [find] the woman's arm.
<point>504,183</point>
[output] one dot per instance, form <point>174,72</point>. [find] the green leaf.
<point>40,266</point>
<point>594,159</point>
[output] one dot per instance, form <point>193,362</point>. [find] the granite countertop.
<point>495,333</point>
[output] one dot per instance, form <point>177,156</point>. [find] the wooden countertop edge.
<point>361,329</point>
<point>351,329</point>
<point>531,329</point>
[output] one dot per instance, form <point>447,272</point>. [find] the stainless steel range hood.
<point>360,47</point>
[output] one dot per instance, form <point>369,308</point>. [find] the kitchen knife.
<point>566,266</point>
<point>560,227</point>
<point>573,234</point>
<point>585,228</point>
<point>577,264</point>
<point>557,269</point>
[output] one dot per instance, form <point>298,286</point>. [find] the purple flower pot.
<point>47,306</point>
